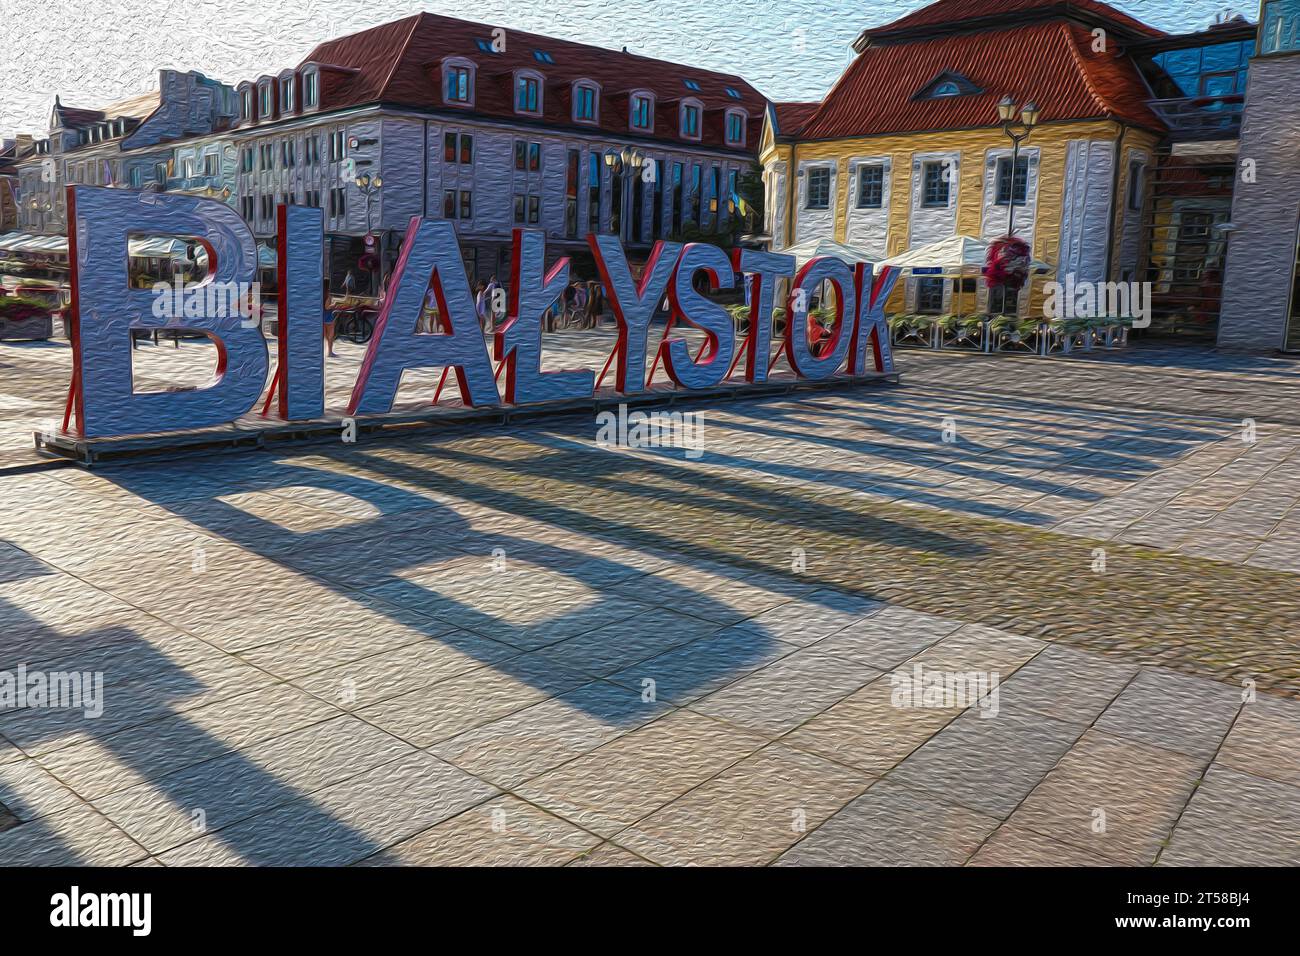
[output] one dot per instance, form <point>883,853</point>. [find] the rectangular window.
<point>678,180</point>
<point>247,104</point>
<point>338,147</point>
<point>571,174</point>
<point>211,164</point>
<point>449,204</point>
<point>458,84</point>
<point>527,94</point>
<point>1005,187</point>
<point>586,103</point>
<point>929,296</point>
<point>286,96</point>
<point>466,149</point>
<point>246,159</point>
<point>1135,185</point>
<point>266,102</point>
<point>534,157</point>
<point>309,86</point>
<point>287,153</point>
<point>871,186</point>
<point>935,185</point>
<point>819,188</point>
<point>466,205</point>
<point>657,198</point>
<point>520,209</point>
<point>735,129</point>
<point>534,209</point>
<point>449,148</point>
<point>338,201</point>
<point>697,187</point>
<point>521,155</point>
<point>593,193</point>
<point>1002,301</point>
<point>641,112</point>
<point>691,121</point>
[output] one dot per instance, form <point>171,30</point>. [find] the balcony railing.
<point>1280,29</point>
<point>1201,117</point>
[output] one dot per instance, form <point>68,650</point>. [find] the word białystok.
<point>105,310</point>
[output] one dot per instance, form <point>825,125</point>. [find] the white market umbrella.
<point>812,248</point>
<point>956,255</point>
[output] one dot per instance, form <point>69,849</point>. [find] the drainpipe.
<point>1116,206</point>
<point>791,194</point>
<point>424,183</point>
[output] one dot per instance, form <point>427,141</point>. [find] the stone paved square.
<point>504,645</point>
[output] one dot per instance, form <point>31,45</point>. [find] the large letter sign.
<point>106,309</point>
<point>690,306</point>
<point>633,303</point>
<point>829,357</point>
<point>519,343</point>
<point>430,250</point>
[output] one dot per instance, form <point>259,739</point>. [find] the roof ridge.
<point>1071,41</point>
<point>416,19</point>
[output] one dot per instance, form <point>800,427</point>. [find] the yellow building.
<point>907,147</point>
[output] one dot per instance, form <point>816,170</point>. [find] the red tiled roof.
<point>399,63</point>
<point>949,12</point>
<point>1049,62</point>
<point>791,117</point>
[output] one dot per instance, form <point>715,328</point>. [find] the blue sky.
<point>92,52</point>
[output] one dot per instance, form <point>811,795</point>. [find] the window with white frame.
<point>458,82</point>
<point>643,111</point>
<point>310,89</point>
<point>246,104</point>
<point>528,93</point>
<point>264,107</point>
<point>585,100</point>
<point>736,127</point>
<point>934,184</point>
<point>818,194</point>
<point>286,95</point>
<point>692,115</point>
<point>871,185</point>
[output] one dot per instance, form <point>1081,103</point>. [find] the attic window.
<point>541,56</point>
<point>692,85</point>
<point>946,85</point>
<point>733,93</point>
<point>485,46</point>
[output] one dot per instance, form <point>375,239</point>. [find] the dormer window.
<point>246,105</point>
<point>692,85</point>
<point>642,111</point>
<point>735,127</point>
<point>528,93</point>
<point>310,90</point>
<point>585,102</point>
<point>286,95</point>
<point>264,110</point>
<point>692,112</point>
<point>947,85</point>
<point>458,82</point>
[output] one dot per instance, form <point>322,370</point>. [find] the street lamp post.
<point>1018,131</point>
<point>370,186</point>
<point>624,164</point>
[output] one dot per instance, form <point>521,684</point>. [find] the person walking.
<point>580,305</point>
<point>491,293</point>
<point>327,321</point>
<point>481,305</point>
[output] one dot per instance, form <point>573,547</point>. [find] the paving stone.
<point>867,731</point>
<point>1265,741</point>
<point>1014,845</point>
<point>888,637</point>
<point>1112,797</point>
<point>892,825</point>
<point>747,814</point>
<point>619,645</point>
<point>432,714</point>
<point>164,813</point>
<point>608,854</point>
<point>617,784</point>
<point>1236,819</point>
<point>521,745</point>
<point>344,823</point>
<point>1067,684</point>
<point>29,791</point>
<point>988,763</point>
<point>697,669</point>
<point>178,740</point>
<point>785,693</point>
<point>505,831</point>
<point>809,619</point>
<point>77,836</point>
<point>1173,712</point>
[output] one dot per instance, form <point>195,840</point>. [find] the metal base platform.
<point>244,436</point>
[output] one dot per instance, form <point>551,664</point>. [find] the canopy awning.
<point>954,256</point>
<point>153,247</point>
<point>812,248</point>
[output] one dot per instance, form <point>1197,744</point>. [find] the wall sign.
<point>105,311</point>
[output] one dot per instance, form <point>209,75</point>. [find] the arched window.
<point>586,102</point>
<point>691,119</point>
<point>458,82</point>
<point>642,111</point>
<point>736,122</point>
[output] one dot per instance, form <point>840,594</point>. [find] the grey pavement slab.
<point>1174,712</point>
<point>1236,819</point>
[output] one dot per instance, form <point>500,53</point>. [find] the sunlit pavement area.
<point>510,645</point>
